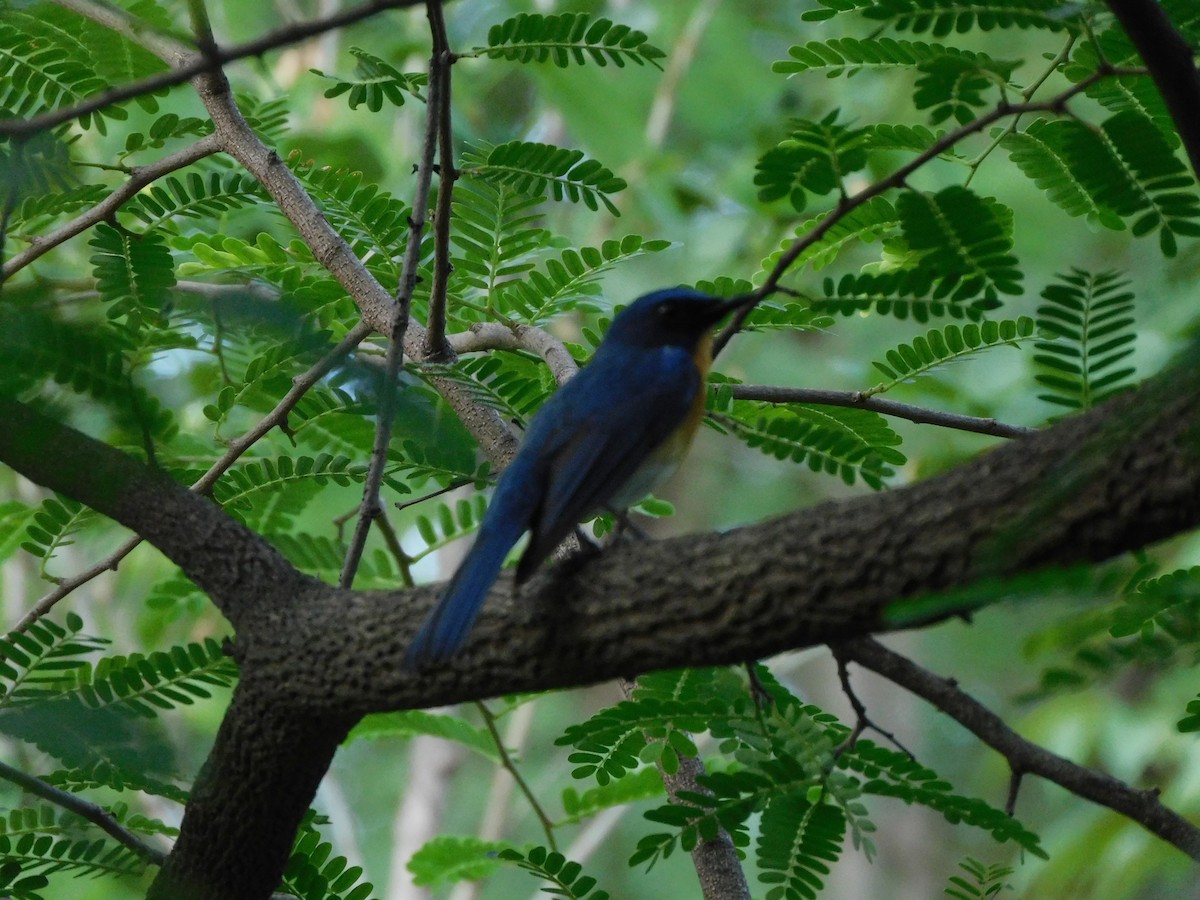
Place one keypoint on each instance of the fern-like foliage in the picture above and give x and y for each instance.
(46, 855)
(194, 197)
(797, 842)
(1125, 171)
(134, 274)
(375, 81)
(146, 684)
(18, 885)
(496, 231)
(1087, 326)
(891, 773)
(1153, 623)
(371, 220)
(536, 170)
(314, 873)
(37, 663)
(942, 18)
(870, 222)
(965, 239)
(448, 523)
(52, 58)
(951, 343)
(514, 385)
(569, 39)
(905, 293)
(951, 82)
(814, 159)
(268, 493)
(566, 876)
(53, 527)
(849, 443)
(167, 127)
(985, 881)
(570, 280)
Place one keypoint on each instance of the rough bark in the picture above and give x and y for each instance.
(313, 657)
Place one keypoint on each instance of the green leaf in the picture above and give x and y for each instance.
(1087, 327)
(447, 860)
(134, 273)
(814, 159)
(540, 169)
(568, 39)
(948, 344)
(566, 876)
(376, 81)
(413, 722)
(963, 238)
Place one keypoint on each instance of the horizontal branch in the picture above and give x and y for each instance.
(856, 400)
(1025, 757)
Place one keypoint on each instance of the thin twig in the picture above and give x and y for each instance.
(106, 208)
(443, 59)
(370, 507)
(862, 721)
(855, 400)
(897, 179)
(195, 65)
(1024, 756)
(97, 815)
(507, 762)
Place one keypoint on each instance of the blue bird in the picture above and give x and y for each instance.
(602, 442)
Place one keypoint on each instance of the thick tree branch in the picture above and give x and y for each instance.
(276, 418)
(268, 763)
(1091, 487)
(1025, 757)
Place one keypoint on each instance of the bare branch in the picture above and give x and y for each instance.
(97, 815)
(856, 400)
(1024, 756)
(439, 111)
(370, 508)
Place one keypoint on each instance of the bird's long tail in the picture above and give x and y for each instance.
(446, 628)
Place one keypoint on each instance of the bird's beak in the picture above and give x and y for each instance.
(734, 303)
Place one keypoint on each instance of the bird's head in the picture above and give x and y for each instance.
(675, 316)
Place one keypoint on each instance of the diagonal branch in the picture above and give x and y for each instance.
(106, 208)
(370, 508)
(97, 815)
(1024, 756)
(277, 417)
(192, 65)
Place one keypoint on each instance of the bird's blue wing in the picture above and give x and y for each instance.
(595, 451)
(508, 516)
